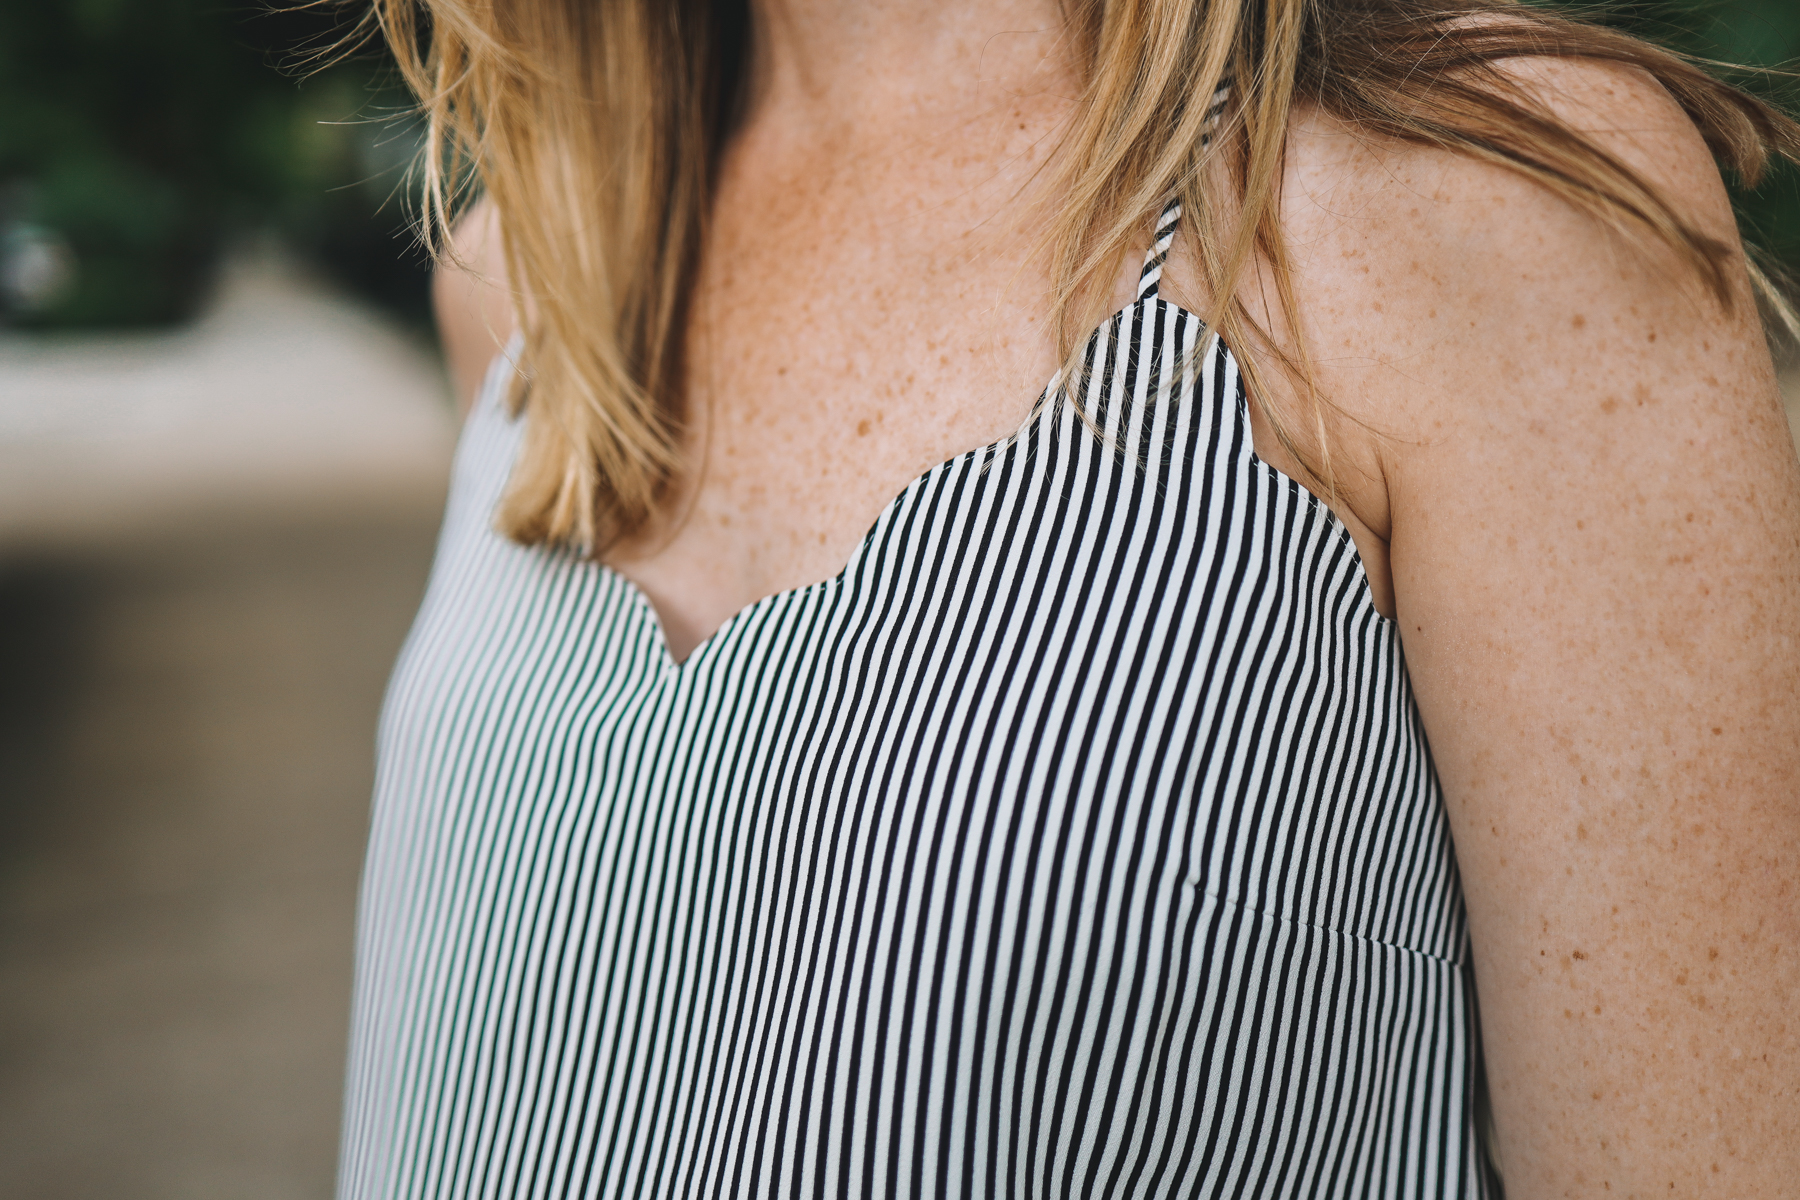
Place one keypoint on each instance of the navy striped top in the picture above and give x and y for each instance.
(1078, 839)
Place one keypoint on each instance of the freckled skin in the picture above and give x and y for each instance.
(865, 309)
(1564, 467)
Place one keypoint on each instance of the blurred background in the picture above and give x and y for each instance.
(224, 439)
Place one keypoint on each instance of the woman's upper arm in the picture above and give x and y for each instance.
(1594, 510)
(473, 302)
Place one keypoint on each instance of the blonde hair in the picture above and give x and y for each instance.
(595, 126)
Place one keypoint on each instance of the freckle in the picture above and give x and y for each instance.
(862, 428)
(1580, 322)
(1568, 1014)
(821, 539)
(1681, 979)
(1715, 1168)
(1596, 1095)
(781, 370)
(1712, 953)
(1653, 335)
(1581, 831)
(1580, 955)
(1610, 404)
(1717, 730)
(1596, 1013)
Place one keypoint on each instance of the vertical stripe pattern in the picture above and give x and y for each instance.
(1079, 839)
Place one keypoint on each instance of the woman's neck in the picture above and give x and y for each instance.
(854, 61)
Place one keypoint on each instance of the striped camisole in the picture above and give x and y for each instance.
(1078, 839)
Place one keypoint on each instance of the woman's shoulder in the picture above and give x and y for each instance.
(1442, 291)
(1477, 233)
(1621, 109)
(1593, 511)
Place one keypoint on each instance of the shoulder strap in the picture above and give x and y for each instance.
(1158, 254)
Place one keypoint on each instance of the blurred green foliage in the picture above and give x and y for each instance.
(139, 137)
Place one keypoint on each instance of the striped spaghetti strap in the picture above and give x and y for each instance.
(1170, 218)
(1151, 276)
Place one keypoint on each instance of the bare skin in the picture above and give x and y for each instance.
(1565, 467)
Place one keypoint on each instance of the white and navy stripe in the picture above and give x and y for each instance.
(1079, 839)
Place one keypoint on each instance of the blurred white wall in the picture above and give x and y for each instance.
(285, 393)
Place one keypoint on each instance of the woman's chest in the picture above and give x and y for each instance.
(843, 338)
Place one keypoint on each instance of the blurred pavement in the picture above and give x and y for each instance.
(212, 542)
